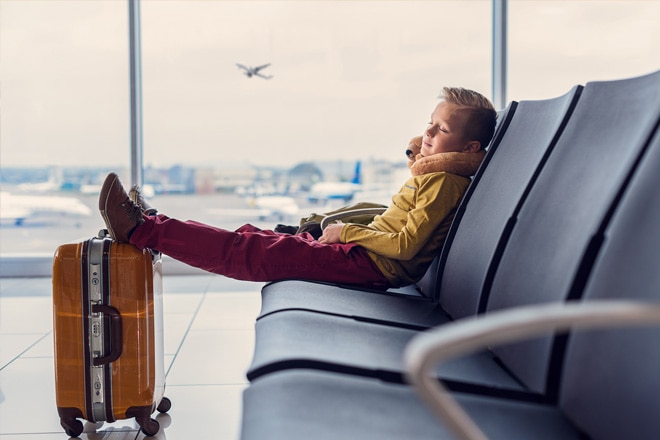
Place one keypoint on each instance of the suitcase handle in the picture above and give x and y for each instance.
(116, 346)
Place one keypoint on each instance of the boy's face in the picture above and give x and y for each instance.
(445, 132)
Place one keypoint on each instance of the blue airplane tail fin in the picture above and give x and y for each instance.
(357, 176)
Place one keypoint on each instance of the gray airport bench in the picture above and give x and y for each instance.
(563, 210)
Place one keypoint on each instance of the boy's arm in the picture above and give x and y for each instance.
(435, 198)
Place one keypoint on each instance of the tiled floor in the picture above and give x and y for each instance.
(209, 338)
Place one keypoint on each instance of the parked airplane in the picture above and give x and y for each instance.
(263, 207)
(250, 71)
(278, 206)
(18, 208)
(324, 191)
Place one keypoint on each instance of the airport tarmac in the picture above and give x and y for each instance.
(41, 235)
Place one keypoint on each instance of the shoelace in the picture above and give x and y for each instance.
(132, 210)
(136, 196)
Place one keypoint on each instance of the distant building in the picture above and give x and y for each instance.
(302, 176)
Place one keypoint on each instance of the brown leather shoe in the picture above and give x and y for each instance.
(119, 212)
(136, 196)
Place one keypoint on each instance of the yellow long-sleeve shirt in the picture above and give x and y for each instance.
(403, 241)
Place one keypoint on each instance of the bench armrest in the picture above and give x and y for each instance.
(455, 339)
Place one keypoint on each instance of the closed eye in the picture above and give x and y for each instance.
(437, 127)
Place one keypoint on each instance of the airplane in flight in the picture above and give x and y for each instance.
(250, 71)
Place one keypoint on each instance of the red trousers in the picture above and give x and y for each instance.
(252, 254)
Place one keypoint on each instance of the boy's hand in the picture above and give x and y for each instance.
(331, 233)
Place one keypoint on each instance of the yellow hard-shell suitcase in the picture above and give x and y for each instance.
(108, 332)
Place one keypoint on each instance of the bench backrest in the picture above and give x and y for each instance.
(499, 187)
(611, 385)
(548, 254)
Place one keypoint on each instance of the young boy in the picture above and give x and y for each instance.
(395, 249)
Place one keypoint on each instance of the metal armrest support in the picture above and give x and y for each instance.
(354, 212)
(428, 349)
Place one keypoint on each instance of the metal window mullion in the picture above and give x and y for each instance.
(135, 68)
(499, 73)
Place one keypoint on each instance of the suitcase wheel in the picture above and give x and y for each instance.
(73, 428)
(164, 405)
(150, 427)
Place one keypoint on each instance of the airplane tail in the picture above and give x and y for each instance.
(357, 176)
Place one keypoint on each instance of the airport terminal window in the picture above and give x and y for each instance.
(347, 84)
(554, 45)
(351, 83)
(344, 82)
(64, 118)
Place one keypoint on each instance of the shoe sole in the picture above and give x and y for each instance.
(103, 204)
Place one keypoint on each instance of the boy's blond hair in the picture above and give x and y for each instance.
(480, 115)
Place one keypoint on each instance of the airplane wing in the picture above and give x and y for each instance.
(261, 67)
(263, 76)
(242, 66)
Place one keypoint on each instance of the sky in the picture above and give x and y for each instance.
(351, 79)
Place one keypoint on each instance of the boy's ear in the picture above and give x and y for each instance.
(472, 147)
